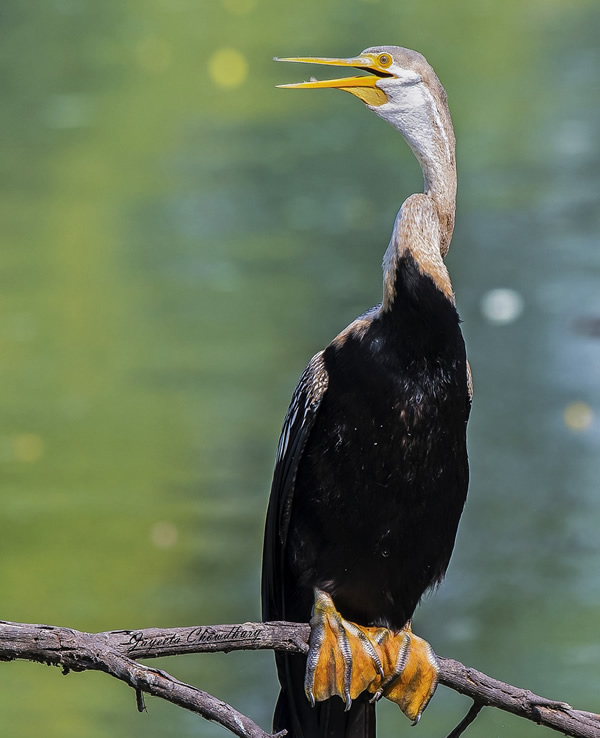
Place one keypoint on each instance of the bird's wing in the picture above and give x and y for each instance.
(296, 429)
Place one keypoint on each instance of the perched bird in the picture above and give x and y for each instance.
(371, 472)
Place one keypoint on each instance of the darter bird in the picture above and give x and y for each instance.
(371, 473)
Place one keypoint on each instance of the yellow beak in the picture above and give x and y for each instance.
(363, 87)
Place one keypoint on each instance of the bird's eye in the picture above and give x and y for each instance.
(384, 60)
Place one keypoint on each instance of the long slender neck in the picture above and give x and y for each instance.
(420, 113)
(424, 225)
(433, 144)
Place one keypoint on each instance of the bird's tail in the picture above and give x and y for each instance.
(327, 719)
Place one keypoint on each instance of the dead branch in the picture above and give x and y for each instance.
(475, 709)
(117, 653)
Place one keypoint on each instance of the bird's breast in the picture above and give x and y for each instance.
(383, 477)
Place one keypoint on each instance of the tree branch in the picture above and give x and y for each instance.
(476, 708)
(117, 653)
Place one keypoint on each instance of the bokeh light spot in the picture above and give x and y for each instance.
(164, 534)
(502, 306)
(228, 67)
(578, 416)
(28, 447)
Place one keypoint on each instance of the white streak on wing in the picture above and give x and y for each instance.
(285, 433)
(314, 384)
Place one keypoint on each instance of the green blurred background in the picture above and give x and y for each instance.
(178, 237)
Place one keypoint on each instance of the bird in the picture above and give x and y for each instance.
(371, 472)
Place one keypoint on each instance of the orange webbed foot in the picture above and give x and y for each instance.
(411, 671)
(342, 658)
(346, 659)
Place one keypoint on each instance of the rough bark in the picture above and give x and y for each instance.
(117, 653)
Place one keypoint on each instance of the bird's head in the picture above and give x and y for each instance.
(400, 87)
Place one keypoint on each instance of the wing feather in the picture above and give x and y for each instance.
(297, 425)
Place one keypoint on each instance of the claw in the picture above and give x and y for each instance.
(342, 659)
(412, 674)
(346, 659)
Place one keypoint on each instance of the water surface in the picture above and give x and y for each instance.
(178, 239)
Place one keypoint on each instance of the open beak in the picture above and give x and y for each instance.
(363, 87)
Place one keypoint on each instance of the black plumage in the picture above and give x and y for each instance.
(370, 480)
